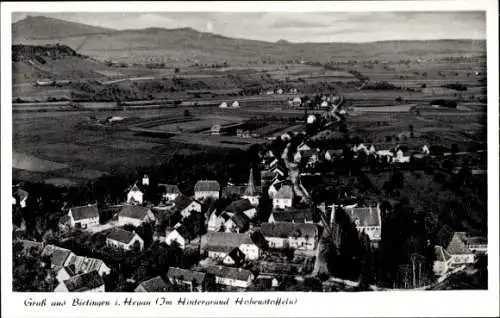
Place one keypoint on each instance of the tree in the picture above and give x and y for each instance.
(177, 70)
(31, 272)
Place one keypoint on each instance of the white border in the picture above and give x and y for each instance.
(449, 303)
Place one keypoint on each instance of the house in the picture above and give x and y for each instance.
(324, 104)
(425, 150)
(442, 262)
(87, 282)
(284, 198)
(135, 195)
(290, 235)
(180, 234)
(82, 264)
(124, 240)
(455, 245)
(303, 147)
(266, 282)
(400, 157)
(241, 207)
(206, 189)
(230, 276)
(296, 101)
(332, 154)
(297, 216)
(20, 197)
(367, 220)
(279, 91)
(223, 105)
(83, 216)
(238, 223)
(135, 215)
(251, 193)
(385, 155)
(217, 220)
(215, 130)
(235, 104)
(219, 244)
(193, 280)
(233, 190)
(169, 191)
(59, 257)
(185, 205)
(153, 285)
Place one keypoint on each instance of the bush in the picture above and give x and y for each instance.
(455, 86)
(444, 103)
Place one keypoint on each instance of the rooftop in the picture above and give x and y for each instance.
(134, 212)
(239, 206)
(228, 272)
(84, 212)
(287, 229)
(84, 282)
(169, 188)
(121, 235)
(285, 192)
(58, 255)
(207, 185)
(182, 201)
(153, 285)
(186, 275)
(365, 216)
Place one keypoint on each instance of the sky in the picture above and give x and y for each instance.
(297, 27)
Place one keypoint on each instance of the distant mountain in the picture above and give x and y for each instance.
(188, 46)
(39, 27)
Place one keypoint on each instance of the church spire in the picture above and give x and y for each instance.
(250, 190)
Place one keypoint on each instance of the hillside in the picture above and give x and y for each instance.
(188, 46)
(39, 27)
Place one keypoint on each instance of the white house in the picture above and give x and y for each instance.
(135, 195)
(296, 101)
(185, 205)
(86, 282)
(83, 216)
(169, 191)
(324, 104)
(20, 196)
(284, 198)
(179, 234)
(290, 235)
(230, 276)
(235, 104)
(279, 91)
(223, 105)
(135, 215)
(206, 188)
(425, 150)
(124, 240)
(400, 157)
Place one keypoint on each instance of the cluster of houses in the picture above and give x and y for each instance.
(394, 155)
(73, 273)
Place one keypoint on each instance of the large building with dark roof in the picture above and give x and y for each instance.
(83, 216)
(230, 276)
(206, 189)
(192, 280)
(135, 215)
(367, 220)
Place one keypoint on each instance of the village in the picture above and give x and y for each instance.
(272, 232)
